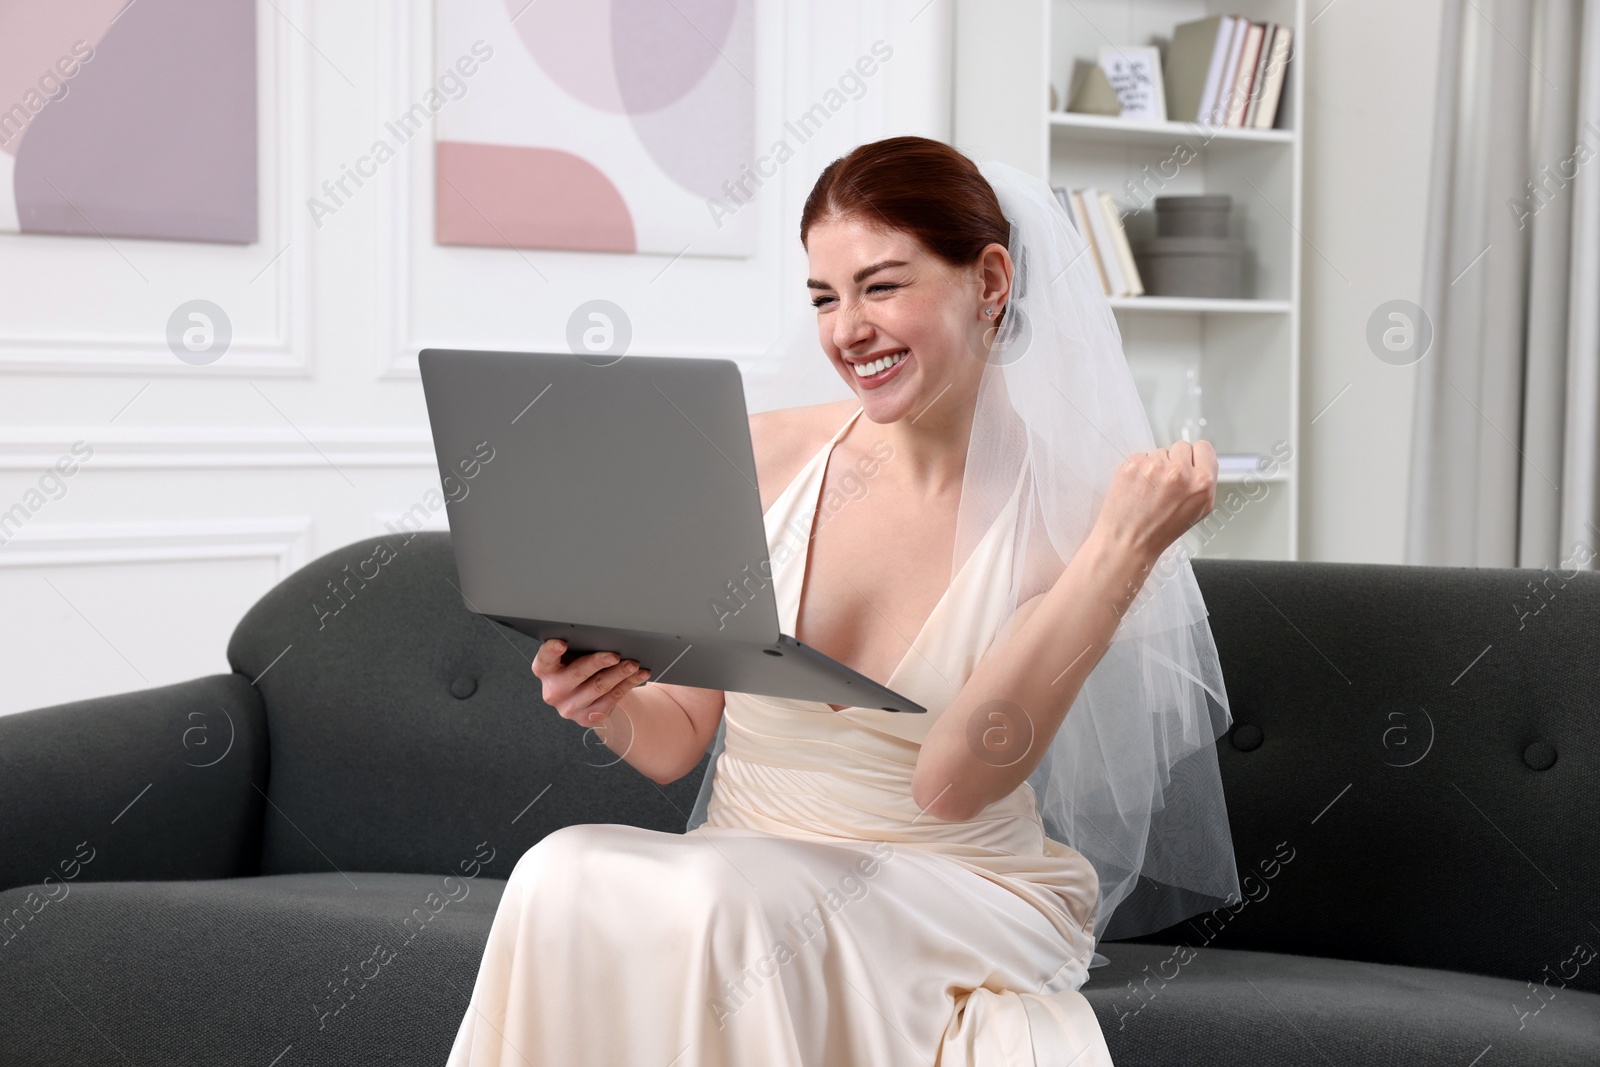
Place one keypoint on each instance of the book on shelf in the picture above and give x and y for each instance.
(1226, 70)
(1094, 215)
(1238, 462)
(1081, 221)
(1236, 102)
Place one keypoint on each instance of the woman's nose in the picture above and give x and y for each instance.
(850, 327)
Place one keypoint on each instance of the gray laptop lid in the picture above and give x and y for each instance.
(616, 496)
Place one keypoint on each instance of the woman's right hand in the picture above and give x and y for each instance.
(1156, 496)
(587, 689)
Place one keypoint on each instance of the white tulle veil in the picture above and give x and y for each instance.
(1130, 780)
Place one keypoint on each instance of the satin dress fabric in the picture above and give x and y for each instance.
(817, 918)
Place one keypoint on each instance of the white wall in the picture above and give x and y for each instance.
(207, 485)
(1369, 132)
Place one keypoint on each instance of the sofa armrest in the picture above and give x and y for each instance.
(163, 783)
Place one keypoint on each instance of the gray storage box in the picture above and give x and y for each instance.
(1193, 216)
(1191, 266)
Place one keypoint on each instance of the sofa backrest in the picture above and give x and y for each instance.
(407, 733)
(1412, 768)
(1409, 776)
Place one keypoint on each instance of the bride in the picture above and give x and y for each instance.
(864, 887)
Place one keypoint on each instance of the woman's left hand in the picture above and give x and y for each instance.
(1155, 496)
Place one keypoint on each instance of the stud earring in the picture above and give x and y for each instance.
(988, 312)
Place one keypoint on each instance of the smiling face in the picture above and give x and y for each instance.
(886, 304)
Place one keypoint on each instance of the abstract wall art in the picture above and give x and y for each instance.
(122, 119)
(604, 126)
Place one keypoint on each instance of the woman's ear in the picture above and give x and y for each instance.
(994, 279)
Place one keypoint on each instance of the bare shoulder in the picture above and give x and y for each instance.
(785, 439)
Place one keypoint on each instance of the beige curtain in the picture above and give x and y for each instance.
(1505, 461)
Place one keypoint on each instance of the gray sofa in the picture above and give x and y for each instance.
(298, 862)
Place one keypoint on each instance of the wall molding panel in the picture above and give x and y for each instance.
(218, 447)
(283, 540)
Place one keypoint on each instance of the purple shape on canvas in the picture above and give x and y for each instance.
(42, 47)
(664, 50)
(157, 138)
(704, 138)
(628, 56)
(682, 72)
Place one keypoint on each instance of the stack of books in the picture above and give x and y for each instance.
(1094, 213)
(1226, 71)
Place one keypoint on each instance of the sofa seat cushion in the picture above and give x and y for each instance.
(356, 968)
(1227, 1007)
(378, 968)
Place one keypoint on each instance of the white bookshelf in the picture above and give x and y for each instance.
(1246, 352)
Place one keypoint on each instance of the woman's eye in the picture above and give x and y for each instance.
(871, 288)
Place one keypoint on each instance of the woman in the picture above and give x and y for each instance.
(866, 887)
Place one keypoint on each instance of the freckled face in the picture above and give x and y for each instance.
(888, 306)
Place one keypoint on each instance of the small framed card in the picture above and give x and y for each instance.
(1135, 76)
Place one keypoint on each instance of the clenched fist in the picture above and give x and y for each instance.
(1155, 496)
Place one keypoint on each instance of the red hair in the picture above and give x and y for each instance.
(916, 185)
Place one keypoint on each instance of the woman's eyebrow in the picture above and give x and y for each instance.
(812, 283)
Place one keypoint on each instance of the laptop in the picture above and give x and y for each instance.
(614, 506)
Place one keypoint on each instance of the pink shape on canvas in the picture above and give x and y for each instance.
(509, 196)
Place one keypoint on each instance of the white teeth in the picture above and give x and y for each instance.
(867, 370)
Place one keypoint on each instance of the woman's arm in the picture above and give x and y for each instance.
(663, 730)
(999, 726)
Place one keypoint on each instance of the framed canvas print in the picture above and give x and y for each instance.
(604, 127)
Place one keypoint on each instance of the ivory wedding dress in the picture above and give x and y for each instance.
(817, 918)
